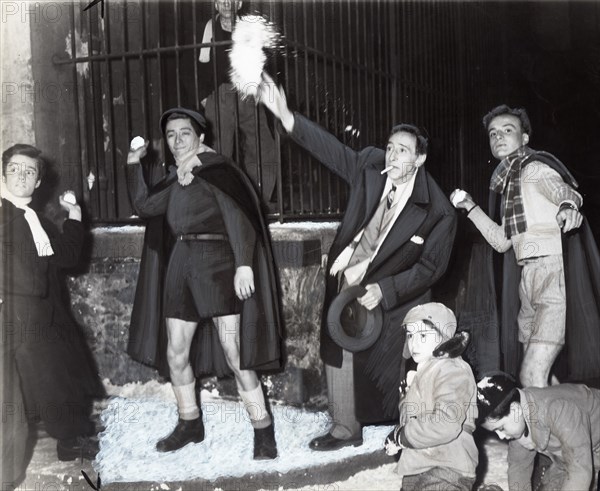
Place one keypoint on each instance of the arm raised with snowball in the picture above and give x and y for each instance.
(321, 144)
(145, 202)
(492, 232)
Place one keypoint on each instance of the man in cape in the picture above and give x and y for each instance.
(220, 267)
(551, 265)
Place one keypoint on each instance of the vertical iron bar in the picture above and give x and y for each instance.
(318, 168)
(307, 92)
(94, 119)
(299, 165)
(161, 108)
(195, 55)
(176, 29)
(286, 68)
(332, 125)
(142, 60)
(360, 48)
(125, 92)
(79, 104)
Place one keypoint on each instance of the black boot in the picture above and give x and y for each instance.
(80, 447)
(265, 447)
(186, 431)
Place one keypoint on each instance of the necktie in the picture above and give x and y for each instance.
(359, 262)
(390, 197)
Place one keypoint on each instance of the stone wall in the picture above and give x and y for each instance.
(16, 74)
(102, 297)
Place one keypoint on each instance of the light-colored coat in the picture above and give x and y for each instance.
(564, 424)
(437, 417)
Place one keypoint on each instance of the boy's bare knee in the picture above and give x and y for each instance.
(177, 359)
(534, 374)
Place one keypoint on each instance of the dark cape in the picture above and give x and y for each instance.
(261, 325)
(579, 359)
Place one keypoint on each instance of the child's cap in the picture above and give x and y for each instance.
(494, 392)
(438, 315)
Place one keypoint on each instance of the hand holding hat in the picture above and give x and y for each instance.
(353, 326)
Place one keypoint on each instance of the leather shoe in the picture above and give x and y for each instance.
(265, 447)
(330, 442)
(80, 447)
(186, 431)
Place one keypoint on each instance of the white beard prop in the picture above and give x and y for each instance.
(251, 36)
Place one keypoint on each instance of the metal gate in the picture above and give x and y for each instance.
(355, 67)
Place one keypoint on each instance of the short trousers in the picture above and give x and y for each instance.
(542, 316)
(199, 281)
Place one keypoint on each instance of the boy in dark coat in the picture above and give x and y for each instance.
(47, 371)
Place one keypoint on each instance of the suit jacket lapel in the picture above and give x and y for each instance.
(407, 223)
(405, 226)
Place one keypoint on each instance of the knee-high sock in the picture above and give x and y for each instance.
(186, 401)
(254, 402)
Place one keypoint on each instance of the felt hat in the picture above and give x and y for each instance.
(493, 393)
(438, 315)
(352, 326)
(196, 116)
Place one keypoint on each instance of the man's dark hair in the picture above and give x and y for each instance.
(27, 150)
(197, 128)
(503, 109)
(495, 394)
(422, 142)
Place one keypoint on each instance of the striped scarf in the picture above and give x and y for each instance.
(506, 180)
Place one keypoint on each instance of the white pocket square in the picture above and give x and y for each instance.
(417, 240)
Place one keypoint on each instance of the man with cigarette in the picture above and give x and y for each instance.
(395, 240)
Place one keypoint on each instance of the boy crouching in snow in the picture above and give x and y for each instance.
(561, 422)
(437, 415)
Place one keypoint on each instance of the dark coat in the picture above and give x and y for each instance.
(579, 359)
(404, 270)
(261, 324)
(45, 364)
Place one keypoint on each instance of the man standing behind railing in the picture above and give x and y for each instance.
(221, 113)
(395, 239)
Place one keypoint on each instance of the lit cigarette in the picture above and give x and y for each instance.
(387, 169)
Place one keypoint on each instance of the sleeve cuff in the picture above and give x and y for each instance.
(472, 208)
(73, 224)
(403, 441)
(568, 204)
(388, 291)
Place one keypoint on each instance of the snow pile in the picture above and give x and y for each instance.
(134, 426)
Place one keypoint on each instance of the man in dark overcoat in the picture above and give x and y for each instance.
(395, 240)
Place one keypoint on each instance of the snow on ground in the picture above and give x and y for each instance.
(140, 414)
(133, 426)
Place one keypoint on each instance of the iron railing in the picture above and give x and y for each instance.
(355, 67)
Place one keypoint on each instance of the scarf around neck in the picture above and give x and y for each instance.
(40, 237)
(506, 180)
